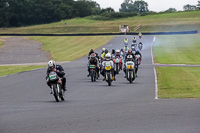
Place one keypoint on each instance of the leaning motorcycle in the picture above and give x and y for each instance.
(56, 84)
(130, 71)
(108, 73)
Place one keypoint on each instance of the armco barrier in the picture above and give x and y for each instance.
(105, 34)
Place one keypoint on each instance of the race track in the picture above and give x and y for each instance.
(27, 107)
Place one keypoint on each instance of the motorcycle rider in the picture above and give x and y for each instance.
(93, 61)
(92, 51)
(60, 72)
(134, 40)
(103, 55)
(138, 53)
(140, 44)
(108, 59)
(126, 41)
(113, 52)
(130, 53)
(140, 34)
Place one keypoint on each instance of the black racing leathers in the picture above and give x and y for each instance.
(60, 72)
(93, 61)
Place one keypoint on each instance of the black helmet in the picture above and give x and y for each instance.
(106, 51)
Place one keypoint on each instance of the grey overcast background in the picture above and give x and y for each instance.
(154, 5)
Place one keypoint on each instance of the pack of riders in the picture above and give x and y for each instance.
(94, 59)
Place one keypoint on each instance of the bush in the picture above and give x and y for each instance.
(112, 16)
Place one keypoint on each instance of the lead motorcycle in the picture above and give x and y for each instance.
(56, 84)
(130, 71)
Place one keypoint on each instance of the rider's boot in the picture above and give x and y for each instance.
(51, 91)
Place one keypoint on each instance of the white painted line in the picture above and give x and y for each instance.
(154, 69)
(156, 84)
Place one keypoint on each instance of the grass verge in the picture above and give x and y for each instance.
(178, 82)
(71, 48)
(180, 21)
(6, 70)
(177, 49)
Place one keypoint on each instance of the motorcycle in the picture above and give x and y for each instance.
(108, 73)
(140, 36)
(56, 84)
(140, 46)
(138, 58)
(130, 71)
(134, 45)
(93, 73)
(118, 64)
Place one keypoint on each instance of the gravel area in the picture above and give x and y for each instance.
(19, 50)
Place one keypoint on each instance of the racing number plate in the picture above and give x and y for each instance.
(92, 66)
(53, 76)
(130, 67)
(107, 67)
(117, 60)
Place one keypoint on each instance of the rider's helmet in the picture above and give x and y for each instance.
(103, 49)
(133, 52)
(106, 51)
(129, 57)
(134, 38)
(129, 51)
(108, 56)
(93, 55)
(133, 48)
(126, 41)
(92, 51)
(51, 63)
(117, 52)
(113, 51)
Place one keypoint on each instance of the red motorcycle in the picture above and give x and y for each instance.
(118, 63)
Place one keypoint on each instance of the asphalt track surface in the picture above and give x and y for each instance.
(27, 107)
(19, 50)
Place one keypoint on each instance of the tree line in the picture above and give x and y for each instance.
(29, 12)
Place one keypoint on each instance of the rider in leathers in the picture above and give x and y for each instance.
(108, 59)
(60, 72)
(93, 61)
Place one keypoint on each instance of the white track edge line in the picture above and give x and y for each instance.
(154, 69)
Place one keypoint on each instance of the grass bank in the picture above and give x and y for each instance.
(177, 49)
(71, 48)
(180, 21)
(6, 70)
(178, 82)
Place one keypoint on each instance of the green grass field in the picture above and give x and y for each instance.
(71, 48)
(177, 49)
(1, 43)
(180, 21)
(178, 82)
(6, 70)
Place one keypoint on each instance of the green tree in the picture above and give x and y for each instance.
(138, 6)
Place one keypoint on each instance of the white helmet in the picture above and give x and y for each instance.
(51, 63)
(108, 56)
(129, 57)
(117, 51)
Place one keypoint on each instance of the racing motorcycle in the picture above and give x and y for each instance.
(118, 64)
(130, 71)
(108, 73)
(56, 86)
(140, 46)
(93, 73)
(138, 58)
